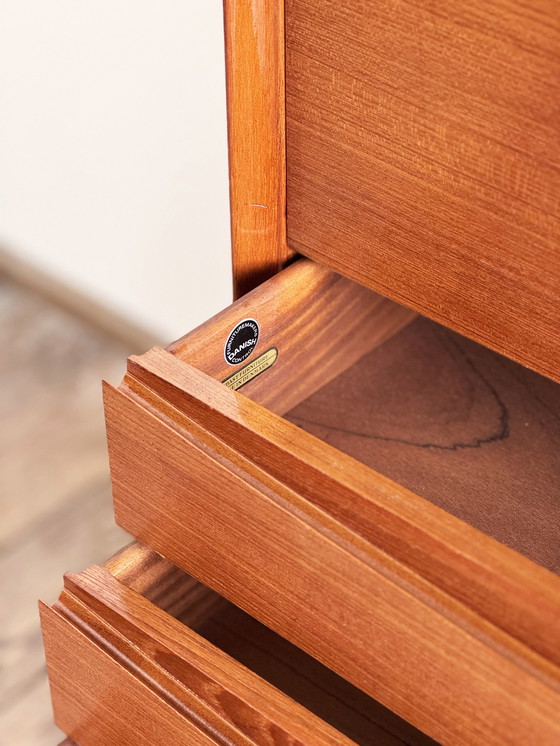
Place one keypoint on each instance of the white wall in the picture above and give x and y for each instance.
(113, 160)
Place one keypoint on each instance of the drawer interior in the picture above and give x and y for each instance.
(471, 431)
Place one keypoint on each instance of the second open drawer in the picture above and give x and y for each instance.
(358, 496)
(140, 653)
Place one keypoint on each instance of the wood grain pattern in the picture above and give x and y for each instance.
(466, 428)
(363, 567)
(84, 680)
(423, 159)
(320, 323)
(256, 647)
(196, 692)
(254, 33)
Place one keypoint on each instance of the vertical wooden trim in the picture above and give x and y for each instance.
(254, 36)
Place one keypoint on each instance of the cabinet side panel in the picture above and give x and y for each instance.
(254, 34)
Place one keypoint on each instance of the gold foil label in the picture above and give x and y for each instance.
(252, 369)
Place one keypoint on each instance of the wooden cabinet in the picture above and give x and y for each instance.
(360, 481)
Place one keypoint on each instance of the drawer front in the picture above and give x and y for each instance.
(422, 159)
(380, 585)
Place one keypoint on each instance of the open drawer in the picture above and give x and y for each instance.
(141, 653)
(369, 524)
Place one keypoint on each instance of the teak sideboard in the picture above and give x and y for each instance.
(346, 485)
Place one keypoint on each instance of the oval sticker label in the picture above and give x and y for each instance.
(241, 341)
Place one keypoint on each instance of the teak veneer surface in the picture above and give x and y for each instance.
(122, 671)
(193, 678)
(254, 41)
(162, 583)
(423, 159)
(464, 427)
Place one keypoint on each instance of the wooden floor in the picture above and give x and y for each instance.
(54, 487)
